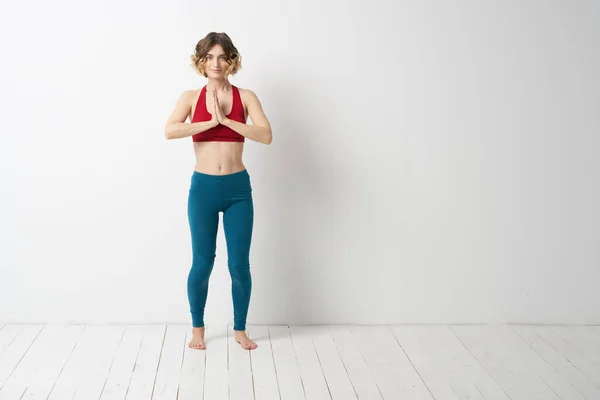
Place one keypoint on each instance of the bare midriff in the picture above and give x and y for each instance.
(219, 158)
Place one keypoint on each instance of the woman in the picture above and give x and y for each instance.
(220, 181)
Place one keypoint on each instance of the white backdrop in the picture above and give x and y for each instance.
(432, 161)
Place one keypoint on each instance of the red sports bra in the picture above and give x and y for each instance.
(219, 133)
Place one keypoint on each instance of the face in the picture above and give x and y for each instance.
(216, 62)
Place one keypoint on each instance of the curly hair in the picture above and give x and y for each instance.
(234, 59)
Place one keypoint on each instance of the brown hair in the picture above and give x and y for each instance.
(234, 59)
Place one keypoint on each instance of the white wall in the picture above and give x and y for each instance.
(432, 161)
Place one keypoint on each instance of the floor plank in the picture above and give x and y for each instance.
(446, 366)
(240, 381)
(36, 373)
(575, 351)
(191, 386)
(390, 367)
(16, 341)
(362, 381)
(262, 362)
(309, 365)
(511, 362)
(82, 378)
(168, 376)
(441, 362)
(118, 378)
(286, 364)
(145, 368)
(216, 380)
(336, 375)
(558, 362)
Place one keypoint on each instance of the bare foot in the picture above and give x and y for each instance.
(242, 338)
(197, 341)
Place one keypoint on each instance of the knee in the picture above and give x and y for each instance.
(239, 269)
(201, 270)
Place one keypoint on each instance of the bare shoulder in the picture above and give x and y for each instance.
(184, 106)
(190, 94)
(254, 108)
(247, 94)
(249, 100)
(186, 97)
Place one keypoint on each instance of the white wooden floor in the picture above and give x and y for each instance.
(301, 362)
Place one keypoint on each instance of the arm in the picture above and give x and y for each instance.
(176, 127)
(260, 131)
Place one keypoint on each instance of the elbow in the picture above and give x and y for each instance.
(269, 138)
(167, 132)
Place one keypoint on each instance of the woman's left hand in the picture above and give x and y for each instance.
(218, 110)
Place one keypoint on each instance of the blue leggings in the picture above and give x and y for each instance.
(232, 195)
